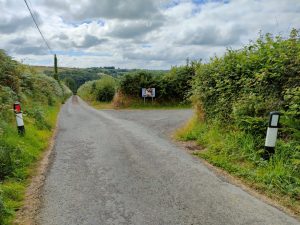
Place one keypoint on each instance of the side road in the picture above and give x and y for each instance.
(119, 167)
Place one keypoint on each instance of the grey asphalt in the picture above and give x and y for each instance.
(120, 167)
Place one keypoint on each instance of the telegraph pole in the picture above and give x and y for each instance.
(55, 68)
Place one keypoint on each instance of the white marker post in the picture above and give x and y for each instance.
(19, 118)
(271, 134)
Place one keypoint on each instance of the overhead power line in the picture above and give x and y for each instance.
(37, 26)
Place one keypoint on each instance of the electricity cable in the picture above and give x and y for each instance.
(37, 26)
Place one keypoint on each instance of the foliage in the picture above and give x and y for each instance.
(9, 72)
(249, 83)
(102, 90)
(175, 85)
(40, 97)
(239, 153)
(8, 154)
(131, 83)
(4, 212)
(75, 77)
(38, 114)
(170, 87)
(71, 84)
(233, 95)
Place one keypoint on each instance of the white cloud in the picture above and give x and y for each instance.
(138, 34)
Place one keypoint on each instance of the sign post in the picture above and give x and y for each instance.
(148, 93)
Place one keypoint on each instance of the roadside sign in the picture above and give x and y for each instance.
(148, 92)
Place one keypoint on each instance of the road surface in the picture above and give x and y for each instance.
(120, 167)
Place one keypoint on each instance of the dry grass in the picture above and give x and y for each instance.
(121, 101)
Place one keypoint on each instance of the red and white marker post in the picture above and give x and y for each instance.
(19, 118)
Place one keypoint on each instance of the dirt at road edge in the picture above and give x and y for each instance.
(27, 214)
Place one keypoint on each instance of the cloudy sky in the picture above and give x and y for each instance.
(153, 34)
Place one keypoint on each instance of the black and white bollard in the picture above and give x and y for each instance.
(19, 118)
(271, 135)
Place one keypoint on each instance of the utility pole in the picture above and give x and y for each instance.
(55, 68)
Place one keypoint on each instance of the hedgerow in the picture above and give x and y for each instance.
(40, 97)
(172, 86)
(102, 90)
(244, 85)
(233, 95)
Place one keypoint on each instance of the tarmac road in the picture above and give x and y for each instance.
(120, 167)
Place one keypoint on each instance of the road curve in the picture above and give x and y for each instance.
(119, 167)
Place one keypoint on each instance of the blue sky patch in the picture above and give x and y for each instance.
(171, 4)
(146, 46)
(100, 22)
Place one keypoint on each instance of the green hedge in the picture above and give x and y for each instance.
(102, 90)
(40, 97)
(244, 85)
(233, 95)
(172, 86)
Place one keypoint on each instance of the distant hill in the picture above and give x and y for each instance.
(75, 77)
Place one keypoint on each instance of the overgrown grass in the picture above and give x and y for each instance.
(122, 101)
(149, 106)
(100, 105)
(239, 154)
(138, 105)
(233, 95)
(40, 97)
(22, 155)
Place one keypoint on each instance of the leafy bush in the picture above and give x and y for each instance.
(262, 77)
(105, 89)
(234, 95)
(9, 72)
(172, 86)
(102, 90)
(176, 84)
(71, 84)
(22, 83)
(106, 94)
(131, 83)
(38, 114)
(7, 159)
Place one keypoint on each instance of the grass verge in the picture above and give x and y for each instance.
(23, 153)
(149, 106)
(100, 105)
(137, 105)
(237, 153)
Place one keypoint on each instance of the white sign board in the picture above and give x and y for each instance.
(148, 92)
